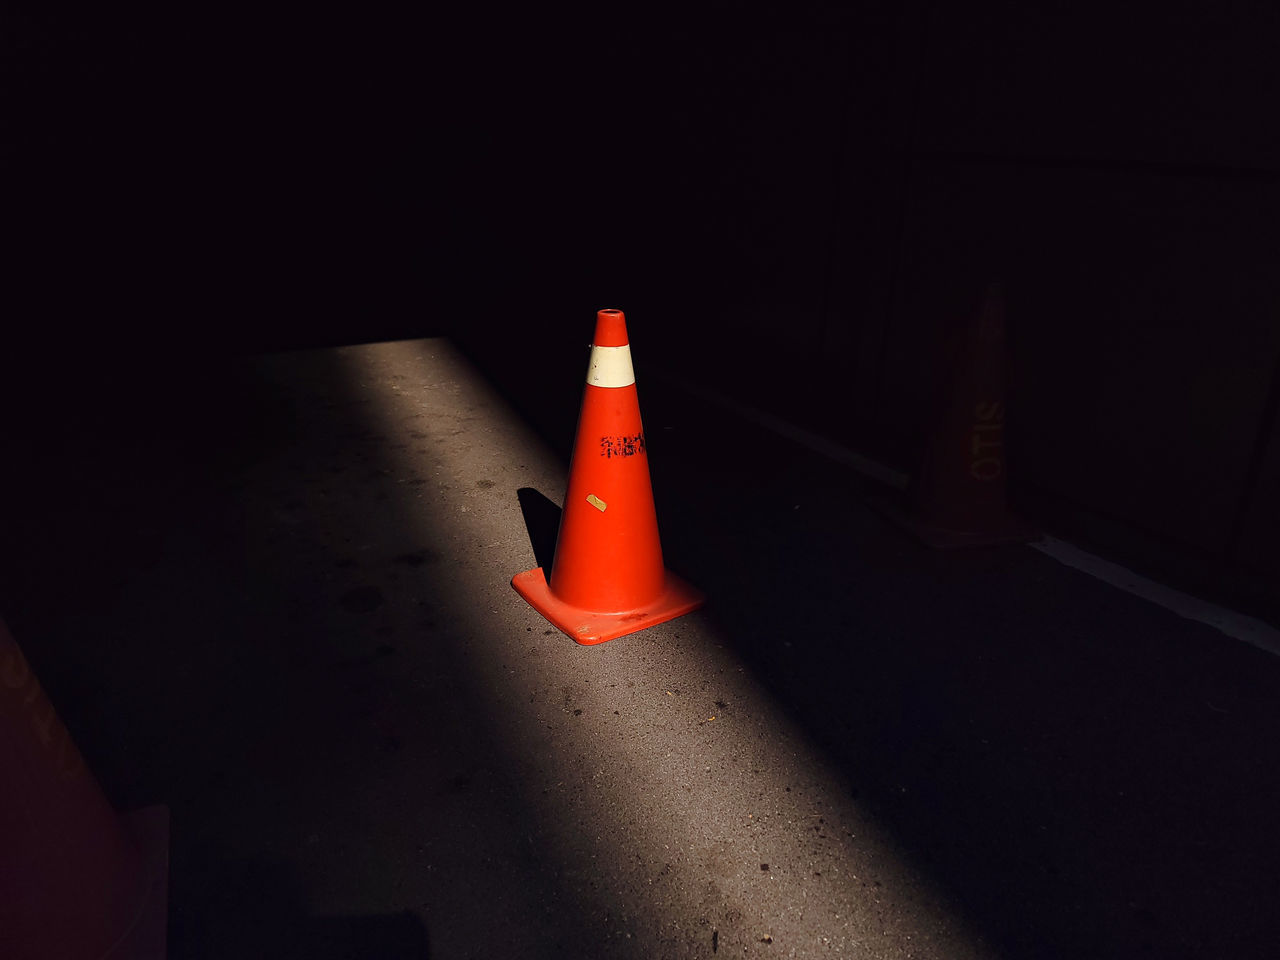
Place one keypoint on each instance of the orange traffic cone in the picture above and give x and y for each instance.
(959, 494)
(76, 882)
(607, 577)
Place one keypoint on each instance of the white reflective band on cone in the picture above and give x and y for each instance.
(610, 367)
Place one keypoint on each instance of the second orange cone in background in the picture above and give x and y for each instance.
(960, 493)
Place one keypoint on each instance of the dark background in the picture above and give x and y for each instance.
(817, 193)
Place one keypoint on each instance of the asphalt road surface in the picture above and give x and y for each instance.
(274, 595)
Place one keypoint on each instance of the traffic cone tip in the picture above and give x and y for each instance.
(611, 329)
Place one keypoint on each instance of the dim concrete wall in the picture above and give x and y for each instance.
(1116, 172)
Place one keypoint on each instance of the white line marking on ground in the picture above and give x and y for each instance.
(1237, 625)
(1233, 624)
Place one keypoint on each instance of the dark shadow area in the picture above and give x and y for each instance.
(209, 186)
(253, 909)
(1087, 774)
(1084, 773)
(542, 520)
(368, 938)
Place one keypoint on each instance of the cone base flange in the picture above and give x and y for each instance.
(590, 627)
(147, 939)
(1004, 530)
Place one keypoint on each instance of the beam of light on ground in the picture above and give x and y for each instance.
(658, 773)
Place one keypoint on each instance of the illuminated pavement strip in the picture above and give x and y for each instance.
(672, 828)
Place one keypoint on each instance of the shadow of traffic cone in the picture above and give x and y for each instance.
(76, 881)
(959, 495)
(607, 577)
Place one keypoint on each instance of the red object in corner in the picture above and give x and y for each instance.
(76, 881)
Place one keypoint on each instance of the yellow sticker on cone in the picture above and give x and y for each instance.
(596, 502)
